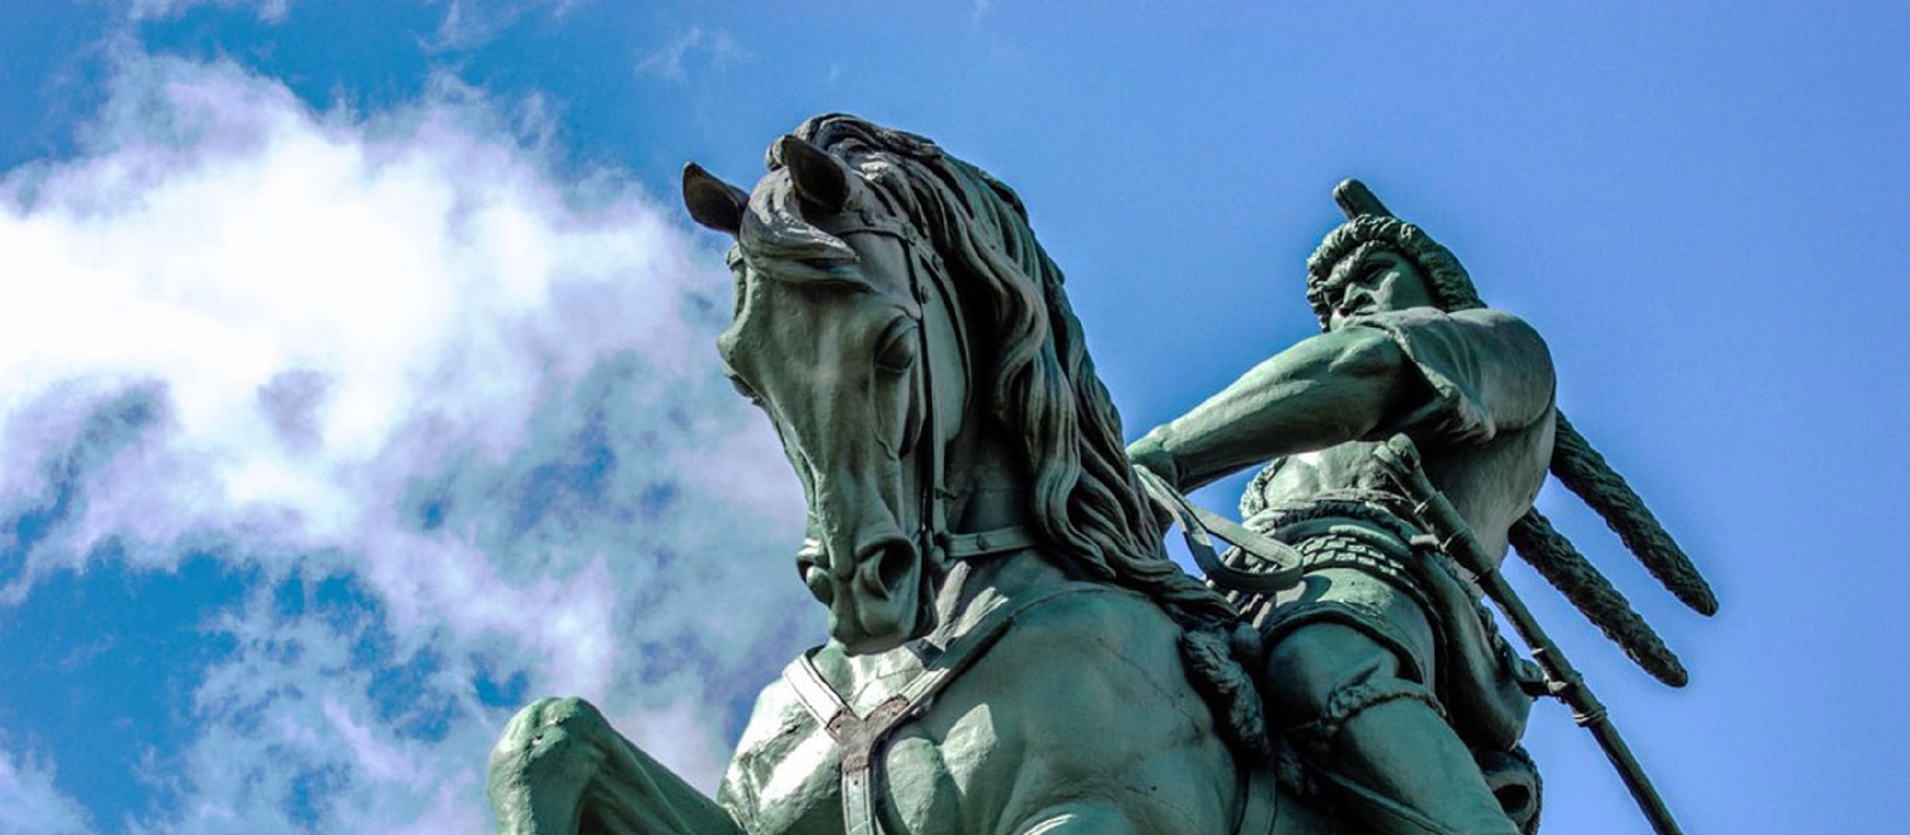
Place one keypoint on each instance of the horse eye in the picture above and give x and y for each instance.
(898, 349)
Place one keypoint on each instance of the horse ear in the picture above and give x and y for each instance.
(712, 202)
(819, 177)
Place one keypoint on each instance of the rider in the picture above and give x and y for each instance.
(1391, 685)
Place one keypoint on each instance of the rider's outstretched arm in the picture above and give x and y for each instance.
(1445, 378)
(1326, 390)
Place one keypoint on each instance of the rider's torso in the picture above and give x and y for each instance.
(1491, 483)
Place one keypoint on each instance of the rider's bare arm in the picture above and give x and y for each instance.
(1464, 375)
(1323, 391)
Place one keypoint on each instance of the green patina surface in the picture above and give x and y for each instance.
(1010, 649)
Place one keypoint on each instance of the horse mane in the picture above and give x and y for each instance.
(1042, 387)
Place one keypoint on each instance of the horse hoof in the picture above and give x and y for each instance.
(544, 726)
(549, 752)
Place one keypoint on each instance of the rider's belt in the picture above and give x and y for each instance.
(1376, 509)
(1358, 534)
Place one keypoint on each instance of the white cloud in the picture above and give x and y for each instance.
(30, 805)
(398, 351)
(470, 23)
(270, 11)
(716, 48)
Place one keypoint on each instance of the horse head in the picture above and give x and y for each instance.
(844, 335)
(878, 281)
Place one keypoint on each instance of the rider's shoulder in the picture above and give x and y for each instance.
(1493, 332)
(1494, 318)
(1486, 317)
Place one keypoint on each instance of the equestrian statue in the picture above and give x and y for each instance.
(1010, 648)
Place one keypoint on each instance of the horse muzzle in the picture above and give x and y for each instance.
(879, 598)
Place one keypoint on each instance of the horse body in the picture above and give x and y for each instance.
(911, 344)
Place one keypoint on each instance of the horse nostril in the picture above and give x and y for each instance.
(810, 559)
(817, 580)
(898, 563)
(894, 564)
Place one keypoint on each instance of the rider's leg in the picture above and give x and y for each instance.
(560, 768)
(1375, 734)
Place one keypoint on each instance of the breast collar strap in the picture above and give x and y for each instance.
(861, 736)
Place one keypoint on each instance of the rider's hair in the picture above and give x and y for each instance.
(1338, 258)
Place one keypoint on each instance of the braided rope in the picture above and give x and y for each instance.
(1554, 557)
(1583, 471)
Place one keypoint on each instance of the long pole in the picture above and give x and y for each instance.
(1562, 681)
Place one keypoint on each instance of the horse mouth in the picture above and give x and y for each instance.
(882, 604)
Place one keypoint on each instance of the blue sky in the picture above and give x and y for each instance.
(356, 378)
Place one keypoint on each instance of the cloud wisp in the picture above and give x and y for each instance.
(469, 24)
(449, 410)
(30, 803)
(269, 11)
(714, 48)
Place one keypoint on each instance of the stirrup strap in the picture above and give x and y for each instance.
(1260, 804)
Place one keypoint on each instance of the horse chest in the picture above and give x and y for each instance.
(1046, 711)
(930, 772)
(788, 776)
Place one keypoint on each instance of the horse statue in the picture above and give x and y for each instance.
(1010, 650)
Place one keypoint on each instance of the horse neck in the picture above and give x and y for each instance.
(991, 489)
(1014, 575)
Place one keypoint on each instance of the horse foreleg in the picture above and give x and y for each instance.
(560, 769)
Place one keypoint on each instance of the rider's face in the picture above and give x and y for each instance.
(1381, 282)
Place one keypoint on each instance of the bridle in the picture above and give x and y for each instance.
(952, 646)
(936, 544)
(1279, 565)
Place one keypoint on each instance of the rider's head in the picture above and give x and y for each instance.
(1375, 262)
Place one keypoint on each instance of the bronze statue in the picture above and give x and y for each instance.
(1010, 649)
